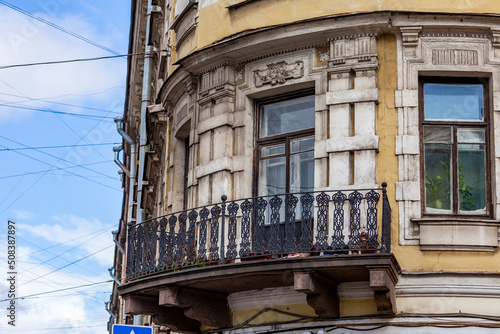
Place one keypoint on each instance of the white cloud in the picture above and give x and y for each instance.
(80, 232)
(68, 311)
(23, 214)
(24, 40)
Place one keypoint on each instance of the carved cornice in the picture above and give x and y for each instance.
(284, 51)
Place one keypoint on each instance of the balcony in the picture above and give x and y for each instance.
(182, 267)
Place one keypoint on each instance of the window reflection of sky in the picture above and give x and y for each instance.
(453, 102)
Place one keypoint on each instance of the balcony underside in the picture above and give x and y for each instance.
(183, 300)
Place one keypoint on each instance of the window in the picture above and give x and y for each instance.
(285, 145)
(454, 128)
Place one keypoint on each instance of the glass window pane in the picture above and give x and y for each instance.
(472, 179)
(456, 102)
(438, 195)
(287, 116)
(302, 172)
(272, 176)
(271, 150)
(471, 136)
(302, 144)
(438, 134)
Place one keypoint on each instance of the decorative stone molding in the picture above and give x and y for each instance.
(215, 82)
(454, 57)
(495, 41)
(439, 51)
(349, 49)
(460, 235)
(410, 38)
(279, 73)
(457, 285)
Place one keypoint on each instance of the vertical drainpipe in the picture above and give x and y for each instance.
(145, 101)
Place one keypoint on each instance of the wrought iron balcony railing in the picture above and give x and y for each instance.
(323, 223)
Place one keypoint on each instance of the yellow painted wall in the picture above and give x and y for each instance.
(357, 307)
(240, 316)
(348, 308)
(217, 22)
(411, 258)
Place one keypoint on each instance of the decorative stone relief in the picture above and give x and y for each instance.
(351, 49)
(324, 55)
(279, 73)
(216, 79)
(454, 57)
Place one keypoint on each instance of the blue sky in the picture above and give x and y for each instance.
(65, 201)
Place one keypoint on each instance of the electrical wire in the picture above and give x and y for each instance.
(50, 170)
(55, 102)
(54, 291)
(57, 146)
(88, 116)
(76, 261)
(53, 156)
(70, 60)
(53, 25)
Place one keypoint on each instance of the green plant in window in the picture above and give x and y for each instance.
(465, 192)
(438, 191)
(437, 187)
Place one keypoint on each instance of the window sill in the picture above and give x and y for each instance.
(458, 234)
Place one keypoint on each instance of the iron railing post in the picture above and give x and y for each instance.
(223, 228)
(386, 221)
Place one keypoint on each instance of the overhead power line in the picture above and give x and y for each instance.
(53, 169)
(54, 291)
(55, 102)
(49, 147)
(69, 60)
(53, 25)
(57, 112)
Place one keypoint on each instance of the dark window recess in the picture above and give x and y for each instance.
(186, 172)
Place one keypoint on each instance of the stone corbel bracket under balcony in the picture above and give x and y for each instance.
(187, 299)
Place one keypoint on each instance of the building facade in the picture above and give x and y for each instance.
(303, 166)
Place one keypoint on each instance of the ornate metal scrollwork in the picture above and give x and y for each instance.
(214, 234)
(355, 199)
(171, 252)
(151, 243)
(322, 227)
(259, 243)
(246, 208)
(338, 220)
(162, 244)
(202, 248)
(140, 267)
(290, 245)
(274, 237)
(231, 247)
(372, 198)
(181, 240)
(306, 238)
(191, 238)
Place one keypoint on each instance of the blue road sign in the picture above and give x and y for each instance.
(131, 329)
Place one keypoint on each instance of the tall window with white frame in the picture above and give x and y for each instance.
(285, 144)
(454, 143)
